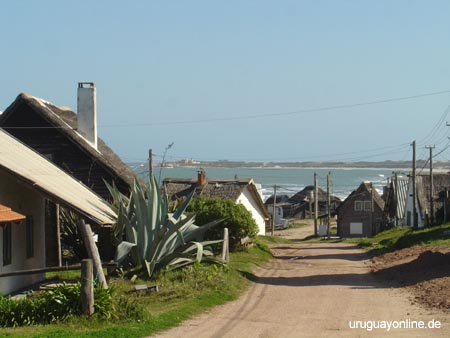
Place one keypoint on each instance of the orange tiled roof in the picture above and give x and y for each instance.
(7, 215)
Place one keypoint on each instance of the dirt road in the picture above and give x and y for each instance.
(316, 290)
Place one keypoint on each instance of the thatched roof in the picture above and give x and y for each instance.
(441, 181)
(279, 199)
(303, 195)
(66, 121)
(365, 188)
(179, 188)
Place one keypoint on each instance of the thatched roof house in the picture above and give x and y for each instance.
(305, 196)
(54, 132)
(441, 186)
(241, 191)
(361, 213)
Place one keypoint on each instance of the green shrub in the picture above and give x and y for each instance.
(49, 306)
(236, 217)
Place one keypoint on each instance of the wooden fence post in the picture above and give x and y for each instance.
(87, 287)
(225, 246)
(91, 248)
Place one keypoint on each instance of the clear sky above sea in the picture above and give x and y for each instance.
(241, 80)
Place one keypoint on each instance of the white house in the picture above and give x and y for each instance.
(242, 191)
(27, 181)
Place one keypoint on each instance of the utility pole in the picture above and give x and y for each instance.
(328, 205)
(431, 185)
(316, 204)
(395, 196)
(372, 223)
(415, 221)
(274, 207)
(150, 163)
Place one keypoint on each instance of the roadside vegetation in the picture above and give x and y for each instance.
(182, 294)
(403, 237)
(162, 250)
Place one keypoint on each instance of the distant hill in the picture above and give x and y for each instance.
(362, 164)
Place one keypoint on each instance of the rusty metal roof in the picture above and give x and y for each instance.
(7, 215)
(36, 171)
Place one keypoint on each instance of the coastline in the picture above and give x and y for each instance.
(440, 170)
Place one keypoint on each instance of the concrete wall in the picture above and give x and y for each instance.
(409, 209)
(247, 200)
(29, 203)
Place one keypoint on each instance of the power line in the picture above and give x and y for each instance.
(297, 112)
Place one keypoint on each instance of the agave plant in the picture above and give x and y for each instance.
(156, 238)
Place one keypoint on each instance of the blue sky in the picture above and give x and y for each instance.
(161, 65)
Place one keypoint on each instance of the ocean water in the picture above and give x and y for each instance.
(290, 181)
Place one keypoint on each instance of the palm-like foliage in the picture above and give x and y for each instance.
(156, 238)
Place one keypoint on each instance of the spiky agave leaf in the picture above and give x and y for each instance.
(155, 237)
(122, 251)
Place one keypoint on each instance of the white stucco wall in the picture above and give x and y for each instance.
(247, 200)
(29, 203)
(409, 208)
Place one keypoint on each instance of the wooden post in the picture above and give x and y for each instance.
(316, 203)
(58, 235)
(91, 248)
(87, 287)
(431, 186)
(225, 246)
(415, 220)
(372, 223)
(395, 196)
(274, 208)
(445, 204)
(328, 205)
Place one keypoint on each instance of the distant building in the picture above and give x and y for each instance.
(361, 213)
(395, 198)
(241, 191)
(440, 214)
(304, 200)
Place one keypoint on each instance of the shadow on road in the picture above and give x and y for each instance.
(364, 280)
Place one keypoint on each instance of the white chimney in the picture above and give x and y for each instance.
(87, 112)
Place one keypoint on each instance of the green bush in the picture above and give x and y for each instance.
(57, 304)
(236, 217)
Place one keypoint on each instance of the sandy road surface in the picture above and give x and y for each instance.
(313, 290)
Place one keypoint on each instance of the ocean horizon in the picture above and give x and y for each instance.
(289, 181)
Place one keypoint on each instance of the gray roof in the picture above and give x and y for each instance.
(37, 172)
(303, 195)
(441, 182)
(178, 188)
(397, 196)
(365, 187)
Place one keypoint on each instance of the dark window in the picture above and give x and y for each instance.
(367, 206)
(7, 244)
(358, 205)
(29, 236)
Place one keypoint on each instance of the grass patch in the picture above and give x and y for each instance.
(403, 237)
(297, 223)
(267, 240)
(183, 294)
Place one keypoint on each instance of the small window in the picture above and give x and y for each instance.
(358, 205)
(367, 206)
(29, 236)
(7, 244)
